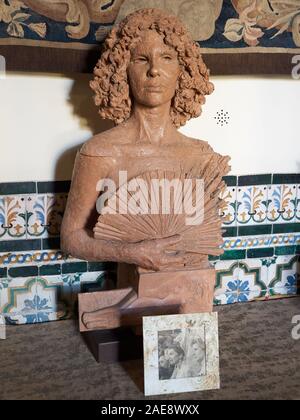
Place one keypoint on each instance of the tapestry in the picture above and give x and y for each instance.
(236, 36)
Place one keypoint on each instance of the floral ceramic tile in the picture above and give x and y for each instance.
(252, 205)
(253, 275)
(282, 203)
(226, 272)
(19, 296)
(45, 213)
(48, 292)
(12, 217)
(50, 302)
(228, 206)
(283, 275)
(240, 293)
(71, 286)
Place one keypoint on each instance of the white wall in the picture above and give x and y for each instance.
(44, 118)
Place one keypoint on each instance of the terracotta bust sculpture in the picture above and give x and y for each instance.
(150, 80)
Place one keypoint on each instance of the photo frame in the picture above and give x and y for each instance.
(181, 353)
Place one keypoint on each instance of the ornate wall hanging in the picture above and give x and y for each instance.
(237, 36)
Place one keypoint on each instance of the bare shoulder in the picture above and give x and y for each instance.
(197, 143)
(104, 144)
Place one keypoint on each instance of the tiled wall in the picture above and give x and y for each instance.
(38, 283)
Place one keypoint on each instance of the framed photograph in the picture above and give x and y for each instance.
(181, 353)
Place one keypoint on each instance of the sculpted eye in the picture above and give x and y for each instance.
(167, 57)
(141, 59)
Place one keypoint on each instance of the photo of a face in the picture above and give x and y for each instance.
(181, 354)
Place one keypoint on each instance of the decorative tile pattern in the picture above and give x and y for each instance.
(41, 299)
(247, 242)
(38, 283)
(17, 296)
(254, 272)
(12, 217)
(288, 239)
(262, 241)
(282, 203)
(283, 275)
(240, 294)
(252, 204)
(227, 273)
(228, 206)
(27, 258)
(45, 213)
(240, 281)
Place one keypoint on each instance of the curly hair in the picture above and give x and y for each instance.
(111, 87)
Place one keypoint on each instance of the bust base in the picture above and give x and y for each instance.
(117, 345)
(147, 294)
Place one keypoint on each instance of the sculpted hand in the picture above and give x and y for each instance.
(155, 254)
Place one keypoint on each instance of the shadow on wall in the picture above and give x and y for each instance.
(83, 108)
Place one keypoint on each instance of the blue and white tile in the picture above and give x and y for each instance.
(71, 286)
(51, 305)
(45, 213)
(282, 203)
(253, 274)
(252, 205)
(239, 293)
(48, 292)
(283, 275)
(226, 272)
(19, 297)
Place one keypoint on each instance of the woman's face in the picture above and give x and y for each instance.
(153, 71)
(198, 351)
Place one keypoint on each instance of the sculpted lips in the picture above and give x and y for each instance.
(154, 88)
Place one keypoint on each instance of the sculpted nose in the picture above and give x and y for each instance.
(153, 71)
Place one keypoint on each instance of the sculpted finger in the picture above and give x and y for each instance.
(172, 260)
(171, 240)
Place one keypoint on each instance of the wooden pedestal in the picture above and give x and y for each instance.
(116, 345)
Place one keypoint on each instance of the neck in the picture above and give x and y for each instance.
(154, 124)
